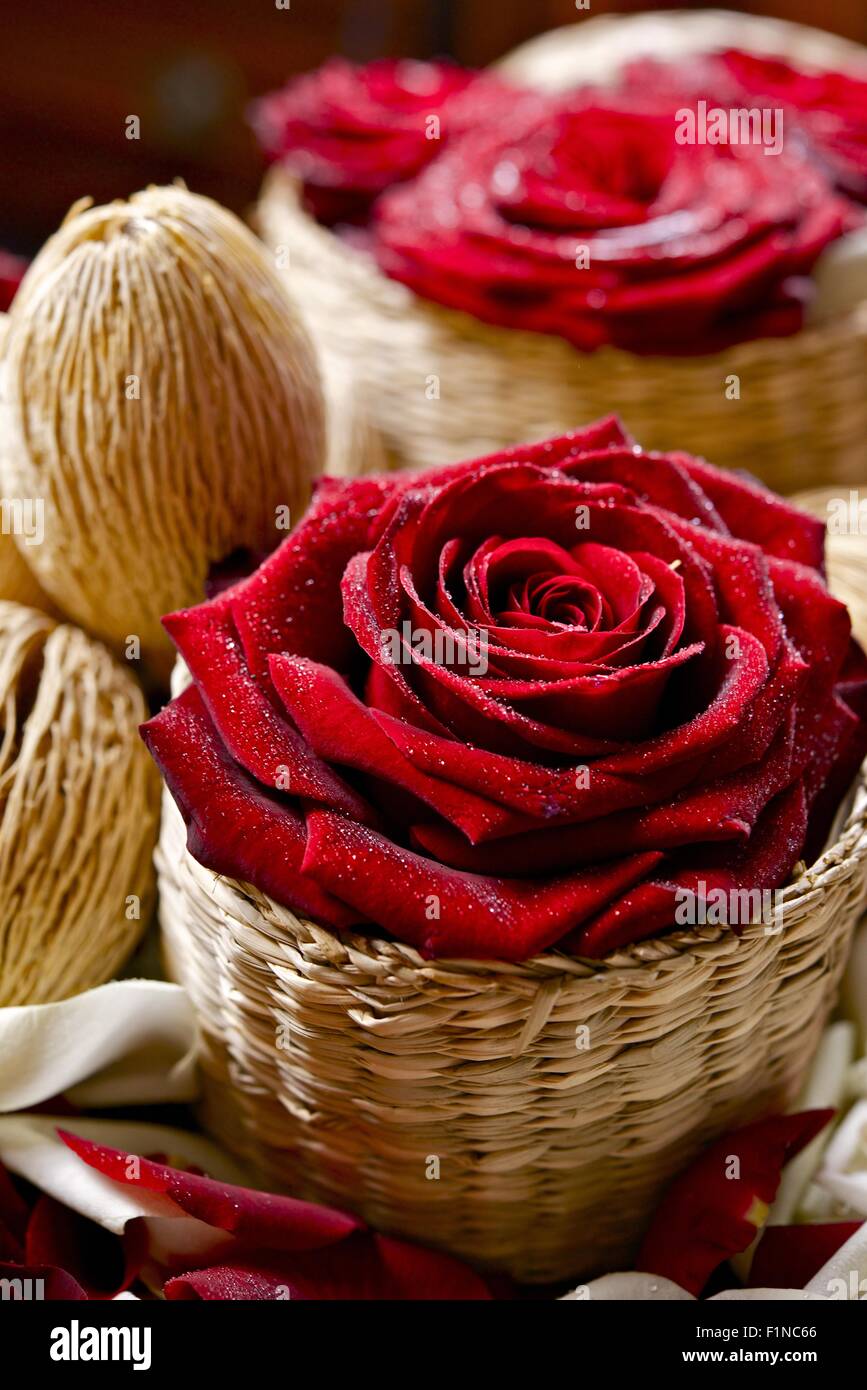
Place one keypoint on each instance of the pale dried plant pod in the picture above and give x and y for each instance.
(78, 810)
(18, 583)
(164, 403)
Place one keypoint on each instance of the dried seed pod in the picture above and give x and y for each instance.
(164, 404)
(18, 583)
(78, 810)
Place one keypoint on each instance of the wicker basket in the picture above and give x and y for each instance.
(441, 385)
(593, 50)
(458, 1102)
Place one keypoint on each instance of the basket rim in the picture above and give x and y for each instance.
(362, 268)
(764, 34)
(838, 860)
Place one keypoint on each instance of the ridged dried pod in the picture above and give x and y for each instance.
(18, 583)
(78, 810)
(164, 403)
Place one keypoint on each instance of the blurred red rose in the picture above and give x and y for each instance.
(349, 132)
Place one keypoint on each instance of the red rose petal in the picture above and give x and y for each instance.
(366, 1266)
(763, 863)
(233, 826)
(43, 1283)
(756, 514)
(251, 728)
(446, 912)
(263, 1218)
(714, 1209)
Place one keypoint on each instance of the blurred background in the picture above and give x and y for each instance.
(74, 70)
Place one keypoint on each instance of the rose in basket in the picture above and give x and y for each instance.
(541, 698)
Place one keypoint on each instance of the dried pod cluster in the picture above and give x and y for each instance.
(78, 810)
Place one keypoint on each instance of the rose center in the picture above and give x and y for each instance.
(593, 169)
(561, 599)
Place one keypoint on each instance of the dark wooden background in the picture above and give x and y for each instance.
(73, 70)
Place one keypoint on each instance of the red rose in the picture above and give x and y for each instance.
(530, 699)
(349, 132)
(586, 218)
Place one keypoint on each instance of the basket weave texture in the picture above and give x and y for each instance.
(526, 1117)
(440, 385)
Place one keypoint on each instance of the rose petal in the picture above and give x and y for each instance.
(233, 826)
(445, 912)
(714, 1209)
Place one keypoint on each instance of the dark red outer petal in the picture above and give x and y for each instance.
(251, 728)
(763, 862)
(341, 728)
(60, 1237)
(756, 514)
(366, 1266)
(445, 912)
(233, 826)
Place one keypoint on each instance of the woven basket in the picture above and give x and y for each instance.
(458, 1102)
(801, 419)
(593, 50)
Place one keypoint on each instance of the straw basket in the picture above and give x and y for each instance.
(526, 1117)
(440, 385)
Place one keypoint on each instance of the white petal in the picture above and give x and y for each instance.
(844, 1171)
(845, 1274)
(766, 1296)
(630, 1287)
(130, 1041)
